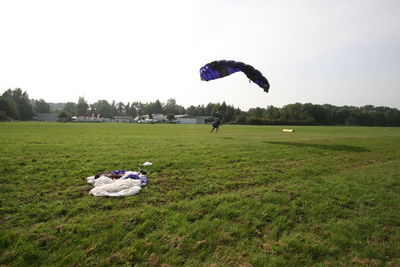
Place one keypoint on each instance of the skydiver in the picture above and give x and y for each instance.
(215, 125)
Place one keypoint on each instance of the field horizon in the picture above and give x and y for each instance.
(245, 196)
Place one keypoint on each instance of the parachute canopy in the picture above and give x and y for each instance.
(222, 68)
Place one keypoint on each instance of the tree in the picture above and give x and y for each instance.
(82, 107)
(139, 107)
(3, 116)
(70, 107)
(257, 112)
(158, 108)
(296, 113)
(121, 110)
(172, 108)
(23, 104)
(130, 110)
(170, 117)
(192, 110)
(40, 106)
(9, 107)
(241, 119)
(154, 107)
(215, 109)
(317, 113)
(65, 116)
(208, 110)
(230, 113)
(58, 107)
(272, 113)
(114, 111)
(223, 107)
(102, 107)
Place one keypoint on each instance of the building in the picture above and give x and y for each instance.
(46, 117)
(123, 119)
(194, 120)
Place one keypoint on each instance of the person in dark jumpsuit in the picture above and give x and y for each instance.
(215, 125)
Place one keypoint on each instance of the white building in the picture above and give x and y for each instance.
(123, 119)
(191, 120)
(185, 119)
(46, 116)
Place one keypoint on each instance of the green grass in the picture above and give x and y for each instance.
(248, 195)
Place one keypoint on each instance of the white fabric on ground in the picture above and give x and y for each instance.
(117, 188)
(90, 179)
(105, 186)
(102, 180)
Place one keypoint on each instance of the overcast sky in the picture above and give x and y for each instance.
(342, 52)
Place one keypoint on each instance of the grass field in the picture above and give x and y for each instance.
(246, 196)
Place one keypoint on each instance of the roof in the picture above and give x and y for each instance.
(181, 116)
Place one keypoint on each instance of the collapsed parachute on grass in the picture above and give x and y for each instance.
(117, 183)
(219, 69)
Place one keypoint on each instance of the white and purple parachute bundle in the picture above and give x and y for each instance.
(118, 183)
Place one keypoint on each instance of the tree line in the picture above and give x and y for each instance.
(16, 105)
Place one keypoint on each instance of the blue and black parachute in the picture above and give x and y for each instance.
(222, 68)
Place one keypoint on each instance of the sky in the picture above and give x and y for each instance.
(344, 52)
